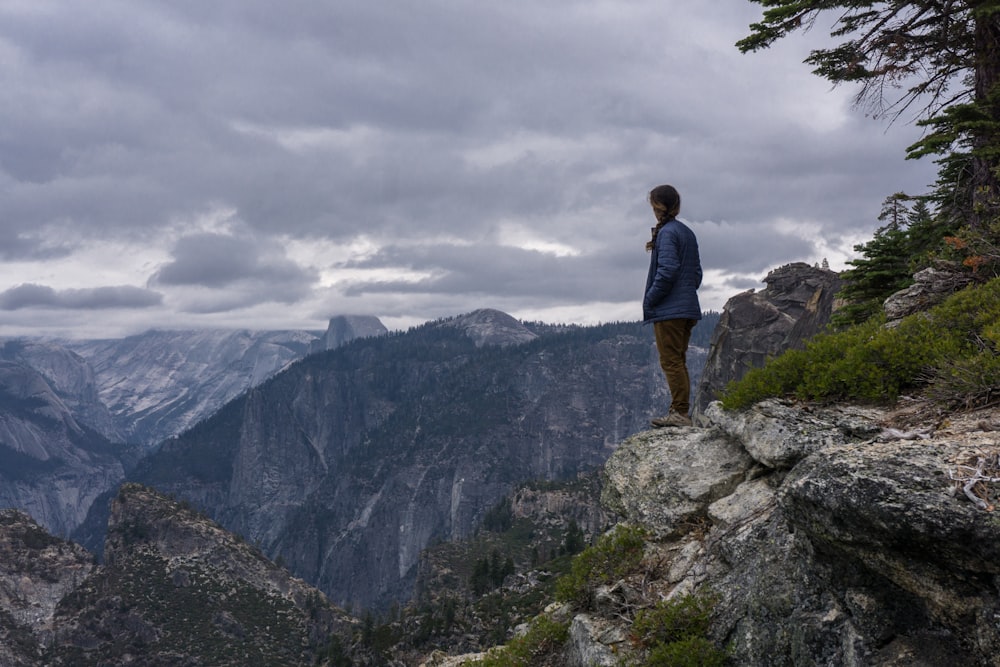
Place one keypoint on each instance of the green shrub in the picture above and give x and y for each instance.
(675, 632)
(543, 641)
(967, 383)
(616, 554)
(673, 620)
(873, 363)
(691, 652)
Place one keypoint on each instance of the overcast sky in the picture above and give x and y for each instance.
(265, 165)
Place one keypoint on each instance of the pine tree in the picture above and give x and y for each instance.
(574, 542)
(942, 54)
(480, 582)
(899, 248)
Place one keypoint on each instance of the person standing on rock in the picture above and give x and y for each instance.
(671, 299)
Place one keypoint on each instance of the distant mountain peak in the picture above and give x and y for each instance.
(488, 326)
(345, 328)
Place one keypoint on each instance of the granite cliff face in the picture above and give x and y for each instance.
(795, 305)
(51, 466)
(56, 428)
(350, 463)
(70, 377)
(159, 383)
(343, 329)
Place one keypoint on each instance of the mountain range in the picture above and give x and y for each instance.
(351, 462)
(343, 462)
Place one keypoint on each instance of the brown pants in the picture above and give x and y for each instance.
(672, 337)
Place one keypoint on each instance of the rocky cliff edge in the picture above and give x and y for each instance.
(832, 536)
(828, 536)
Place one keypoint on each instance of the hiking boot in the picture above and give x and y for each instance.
(672, 419)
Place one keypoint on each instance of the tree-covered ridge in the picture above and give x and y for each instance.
(376, 363)
(399, 367)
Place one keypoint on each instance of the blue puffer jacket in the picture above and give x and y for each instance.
(674, 276)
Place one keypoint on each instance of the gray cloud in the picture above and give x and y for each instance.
(748, 247)
(24, 246)
(404, 124)
(40, 296)
(228, 272)
(501, 273)
(218, 260)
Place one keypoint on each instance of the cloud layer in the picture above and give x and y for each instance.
(240, 163)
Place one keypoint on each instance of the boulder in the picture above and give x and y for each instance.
(931, 286)
(778, 434)
(855, 543)
(795, 305)
(666, 478)
(888, 513)
(595, 642)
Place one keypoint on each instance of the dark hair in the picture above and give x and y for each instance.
(665, 199)
(666, 203)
